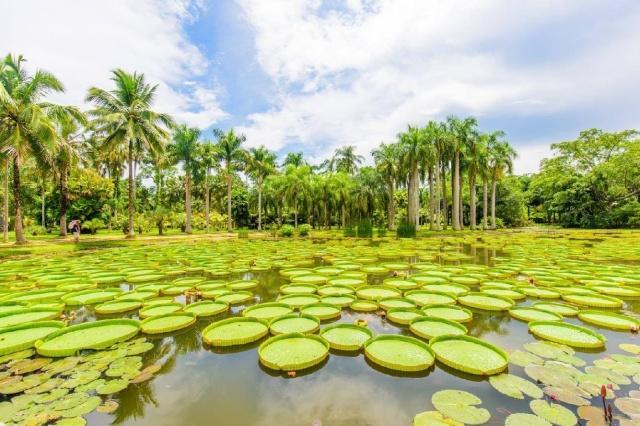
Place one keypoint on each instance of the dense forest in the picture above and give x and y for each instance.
(120, 165)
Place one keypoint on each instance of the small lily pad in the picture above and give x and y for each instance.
(554, 413)
(460, 406)
(515, 386)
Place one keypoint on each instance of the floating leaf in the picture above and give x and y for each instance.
(469, 354)
(293, 351)
(523, 358)
(400, 353)
(346, 337)
(571, 394)
(108, 407)
(629, 406)
(630, 347)
(593, 415)
(555, 413)
(567, 334)
(433, 418)
(525, 419)
(460, 406)
(515, 386)
(112, 386)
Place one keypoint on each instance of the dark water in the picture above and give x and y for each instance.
(201, 386)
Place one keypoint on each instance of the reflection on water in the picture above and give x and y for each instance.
(198, 385)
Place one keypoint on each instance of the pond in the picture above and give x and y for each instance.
(190, 382)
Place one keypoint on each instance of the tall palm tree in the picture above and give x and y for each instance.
(27, 129)
(501, 156)
(260, 164)
(230, 151)
(429, 165)
(207, 159)
(4, 161)
(346, 160)
(184, 150)
(472, 151)
(124, 118)
(297, 187)
(387, 159)
(484, 172)
(294, 159)
(412, 150)
(341, 187)
(462, 131)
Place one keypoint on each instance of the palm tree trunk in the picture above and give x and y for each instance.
(472, 199)
(391, 212)
(43, 220)
(437, 195)
(17, 202)
(132, 191)
(432, 225)
(485, 202)
(187, 203)
(64, 201)
(456, 191)
(344, 216)
(229, 222)
(493, 204)
(295, 214)
(412, 195)
(260, 205)
(207, 201)
(445, 208)
(5, 206)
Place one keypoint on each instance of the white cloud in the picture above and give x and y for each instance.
(80, 41)
(360, 75)
(529, 157)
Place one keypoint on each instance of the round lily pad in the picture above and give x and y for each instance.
(629, 406)
(24, 336)
(27, 315)
(90, 297)
(294, 323)
(112, 386)
(242, 284)
(346, 337)
(293, 351)
(528, 314)
(429, 327)
(364, 306)
(377, 292)
(161, 309)
(335, 290)
(235, 298)
(167, 323)
(469, 354)
(450, 312)
(339, 300)
(398, 352)
(595, 300)
(557, 308)
(486, 302)
(89, 335)
(567, 334)
(323, 311)
(460, 406)
(206, 308)
(403, 315)
(298, 289)
(427, 298)
(395, 302)
(267, 311)
(235, 331)
(515, 386)
(315, 279)
(609, 320)
(117, 306)
(297, 301)
(554, 413)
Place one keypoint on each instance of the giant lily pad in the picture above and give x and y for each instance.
(88, 335)
(595, 300)
(398, 352)
(428, 298)
(27, 315)
(364, 306)
(429, 327)
(403, 315)
(515, 386)
(557, 308)
(323, 311)
(609, 320)
(293, 351)
(567, 334)
(529, 314)
(161, 309)
(297, 301)
(167, 323)
(206, 308)
(235, 331)
(117, 306)
(450, 312)
(486, 302)
(469, 354)
(235, 298)
(267, 311)
(554, 413)
(346, 337)
(90, 297)
(377, 292)
(294, 323)
(460, 406)
(24, 336)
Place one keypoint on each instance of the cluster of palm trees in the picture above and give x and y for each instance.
(121, 131)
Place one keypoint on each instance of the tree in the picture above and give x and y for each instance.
(501, 156)
(462, 131)
(387, 159)
(229, 150)
(123, 118)
(429, 165)
(297, 187)
(412, 149)
(346, 160)
(207, 159)
(27, 129)
(184, 150)
(260, 164)
(4, 163)
(294, 159)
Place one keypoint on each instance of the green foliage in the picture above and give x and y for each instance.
(304, 230)
(349, 231)
(364, 229)
(243, 233)
(286, 231)
(92, 226)
(406, 230)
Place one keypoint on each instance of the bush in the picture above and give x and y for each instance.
(364, 229)
(349, 231)
(286, 231)
(382, 230)
(304, 230)
(406, 230)
(243, 233)
(93, 225)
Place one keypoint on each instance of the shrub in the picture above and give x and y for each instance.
(382, 230)
(349, 231)
(364, 229)
(286, 231)
(93, 225)
(304, 230)
(406, 230)
(243, 233)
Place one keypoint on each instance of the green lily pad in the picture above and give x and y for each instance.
(554, 413)
(24, 336)
(377, 292)
(528, 314)
(297, 301)
(596, 300)
(469, 354)
(567, 334)
(206, 308)
(432, 418)
(523, 358)
(449, 312)
(629, 406)
(167, 323)
(398, 352)
(525, 419)
(573, 395)
(293, 351)
(90, 335)
(27, 315)
(557, 308)
(486, 302)
(163, 309)
(267, 311)
(323, 311)
(429, 327)
(387, 303)
(403, 315)
(428, 298)
(630, 347)
(364, 306)
(294, 323)
(460, 406)
(515, 386)
(112, 386)
(339, 300)
(117, 306)
(346, 337)
(235, 331)
(609, 320)
(90, 297)
(298, 289)
(235, 298)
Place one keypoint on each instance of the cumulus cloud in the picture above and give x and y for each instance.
(359, 74)
(80, 41)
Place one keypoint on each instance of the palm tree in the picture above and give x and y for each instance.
(207, 159)
(260, 164)
(501, 156)
(294, 159)
(184, 150)
(341, 187)
(387, 159)
(412, 150)
(27, 129)
(462, 131)
(297, 187)
(229, 149)
(472, 150)
(429, 165)
(346, 160)
(124, 118)
(484, 172)
(4, 160)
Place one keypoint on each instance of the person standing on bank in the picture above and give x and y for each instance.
(75, 228)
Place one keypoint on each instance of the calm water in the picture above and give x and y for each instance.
(201, 386)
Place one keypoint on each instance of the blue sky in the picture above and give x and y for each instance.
(311, 75)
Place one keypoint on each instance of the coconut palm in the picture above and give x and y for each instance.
(387, 159)
(462, 130)
(412, 149)
(429, 165)
(4, 161)
(123, 118)
(27, 128)
(484, 172)
(184, 150)
(501, 156)
(230, 151)
(472, 151)
(260, 164)
(297, 187)
(294, 159)
(345, 160)
(207, 159)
